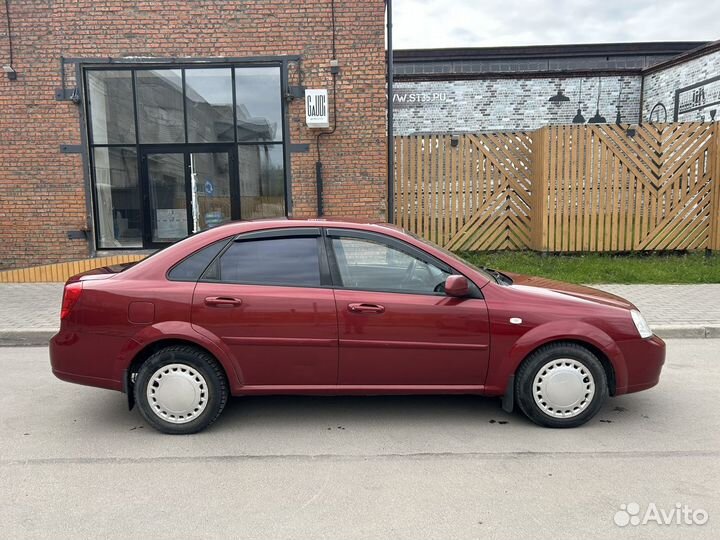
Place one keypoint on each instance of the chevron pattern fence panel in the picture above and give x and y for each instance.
(627, 188)
(563, 188)
(465, 192)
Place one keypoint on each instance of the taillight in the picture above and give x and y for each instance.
(71, 295)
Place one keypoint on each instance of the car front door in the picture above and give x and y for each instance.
(396, 325)
(267, 297)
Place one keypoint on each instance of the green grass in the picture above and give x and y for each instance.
(605, 268)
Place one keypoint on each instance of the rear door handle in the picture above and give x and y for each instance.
(366, 308)
(222, 301)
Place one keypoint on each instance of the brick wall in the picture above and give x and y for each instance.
(660, 87)
(509, 103)
(42, 194)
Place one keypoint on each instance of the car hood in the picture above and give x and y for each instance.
(569, 289)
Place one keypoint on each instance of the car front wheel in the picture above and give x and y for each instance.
(561, 385)
(180, 390)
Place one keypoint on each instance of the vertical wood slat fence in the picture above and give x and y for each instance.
(563, 188)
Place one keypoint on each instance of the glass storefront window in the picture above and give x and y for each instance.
(111, 107)
(208, 102)
(262, 181)
(117, 196)
(179, 149)
(160, 106)
(259, 112)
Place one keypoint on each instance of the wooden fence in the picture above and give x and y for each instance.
(563, 188)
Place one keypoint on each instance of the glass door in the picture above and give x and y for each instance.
(168, 213)
(186, 191)
(210, 188)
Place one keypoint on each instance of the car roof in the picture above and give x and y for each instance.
(273, 223)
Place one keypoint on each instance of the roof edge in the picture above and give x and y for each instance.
(549, 51)
(708, 48)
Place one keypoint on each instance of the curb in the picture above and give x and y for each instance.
(678, 331)
(26, 337)
(39, 337)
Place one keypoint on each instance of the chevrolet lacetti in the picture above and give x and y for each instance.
(336, 307)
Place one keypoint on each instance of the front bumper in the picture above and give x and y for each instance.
(644, 359)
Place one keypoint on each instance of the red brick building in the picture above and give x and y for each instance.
(125, 125)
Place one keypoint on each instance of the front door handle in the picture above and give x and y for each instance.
(366, 308)
(222, 301)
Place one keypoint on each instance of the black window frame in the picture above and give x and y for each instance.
(394, 243)
(85, 68)
(274, 234)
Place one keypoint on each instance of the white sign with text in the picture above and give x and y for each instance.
(316, 108)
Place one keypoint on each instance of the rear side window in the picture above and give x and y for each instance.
(190, 268)
(273, 261)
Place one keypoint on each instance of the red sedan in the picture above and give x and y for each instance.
(332, 307)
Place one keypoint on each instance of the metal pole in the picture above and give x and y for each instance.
(390, 145)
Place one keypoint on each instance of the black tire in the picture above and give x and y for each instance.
(215, 388)
(540, 359)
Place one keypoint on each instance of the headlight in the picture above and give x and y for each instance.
(641, 324)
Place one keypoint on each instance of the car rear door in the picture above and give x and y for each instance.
(267, 297)
(396, 326)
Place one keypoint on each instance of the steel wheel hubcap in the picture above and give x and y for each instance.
(563, 388)
(177, 393)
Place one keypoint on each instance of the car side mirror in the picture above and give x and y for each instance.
(457, 286)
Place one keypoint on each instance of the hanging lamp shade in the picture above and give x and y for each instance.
(579, 118)
(597, 119)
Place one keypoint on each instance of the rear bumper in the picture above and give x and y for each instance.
(644, 359)
(79, 359)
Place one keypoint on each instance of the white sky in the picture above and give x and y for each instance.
(427, 24)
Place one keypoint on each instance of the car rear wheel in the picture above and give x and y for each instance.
(561, 385)
(180, 390)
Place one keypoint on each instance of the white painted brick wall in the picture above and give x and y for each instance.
(660, 87)
(513, 103)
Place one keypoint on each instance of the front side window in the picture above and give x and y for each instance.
(371, 265)
(272, 261)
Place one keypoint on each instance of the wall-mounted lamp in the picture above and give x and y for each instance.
(454, 140)
(10, 72)
(559, 97)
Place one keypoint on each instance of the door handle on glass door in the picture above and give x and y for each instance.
(222, 301)
(366, 308)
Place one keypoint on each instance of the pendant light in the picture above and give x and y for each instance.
(579, 118)
(597, 119)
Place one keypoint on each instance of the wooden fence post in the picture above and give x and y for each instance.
(539, 194)
(714, 165)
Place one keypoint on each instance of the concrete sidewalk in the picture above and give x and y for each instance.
(29, 313)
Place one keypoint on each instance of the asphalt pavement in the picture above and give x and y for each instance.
(74, 463)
